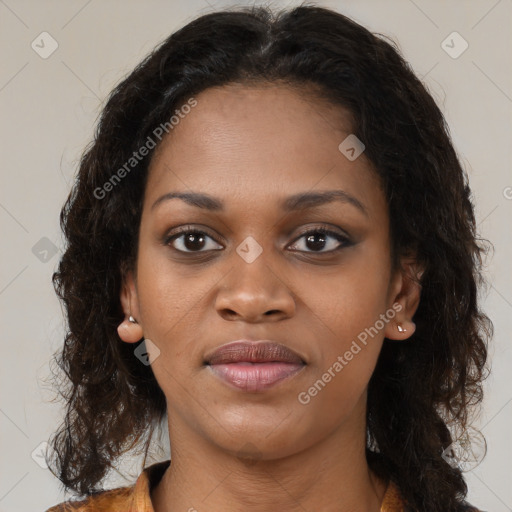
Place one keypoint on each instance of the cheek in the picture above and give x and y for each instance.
(346, 303)
(335, 394)
(165, 294)
(349, 333)
(347, 349)
(172, 302)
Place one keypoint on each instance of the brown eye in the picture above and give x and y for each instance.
(318, 239)
(191, 240)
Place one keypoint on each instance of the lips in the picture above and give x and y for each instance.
(243, 351)
(254, 366)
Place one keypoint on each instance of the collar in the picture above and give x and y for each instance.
(149, 478)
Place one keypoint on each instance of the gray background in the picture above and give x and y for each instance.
(49, 108)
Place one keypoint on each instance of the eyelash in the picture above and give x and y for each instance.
(344, 241)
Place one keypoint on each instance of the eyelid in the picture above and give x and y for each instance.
(326, 228)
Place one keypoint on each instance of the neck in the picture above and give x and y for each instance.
(331, 475)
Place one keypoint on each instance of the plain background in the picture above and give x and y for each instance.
(49, 110)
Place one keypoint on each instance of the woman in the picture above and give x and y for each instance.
(271, 245)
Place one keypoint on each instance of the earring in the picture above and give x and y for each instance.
(132, 320)
(400, 328)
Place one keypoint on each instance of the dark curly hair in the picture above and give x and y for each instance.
(421, 390)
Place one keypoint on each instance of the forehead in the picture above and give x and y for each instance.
(250, 142)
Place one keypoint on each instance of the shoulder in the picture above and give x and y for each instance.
(110, 500)
(136, 498)
(394, 502)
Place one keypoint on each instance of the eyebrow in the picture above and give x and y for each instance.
(300, 201)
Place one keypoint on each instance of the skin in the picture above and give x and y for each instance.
(251, 147)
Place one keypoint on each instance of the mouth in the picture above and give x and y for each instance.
(244, 351)
(254, 366)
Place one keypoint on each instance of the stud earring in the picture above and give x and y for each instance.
(130, 330)
(400, 328)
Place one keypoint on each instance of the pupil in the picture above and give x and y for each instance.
(312, 237)
(193, 238)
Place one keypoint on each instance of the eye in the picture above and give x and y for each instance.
(318, 239)
(191, 240)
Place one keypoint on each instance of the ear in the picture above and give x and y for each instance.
(130, 331)
(404, 299)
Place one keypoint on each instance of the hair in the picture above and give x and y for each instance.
(420, 390)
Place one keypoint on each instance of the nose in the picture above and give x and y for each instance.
(254, 292)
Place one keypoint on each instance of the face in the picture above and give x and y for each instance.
(251, 149)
